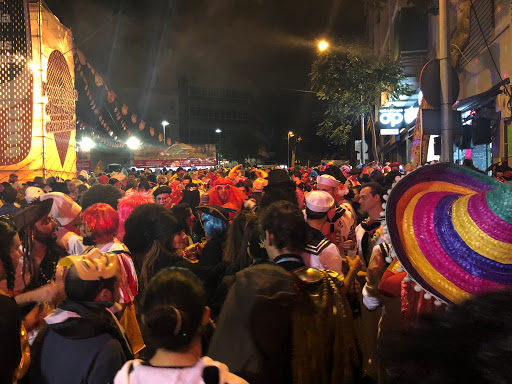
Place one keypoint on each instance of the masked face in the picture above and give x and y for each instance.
(162, 198)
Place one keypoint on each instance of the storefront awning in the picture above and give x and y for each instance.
(481, 99)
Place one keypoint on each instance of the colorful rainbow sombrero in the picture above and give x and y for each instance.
(451, 229)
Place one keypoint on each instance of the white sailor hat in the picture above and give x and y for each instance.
(327, 180)
(319, 201)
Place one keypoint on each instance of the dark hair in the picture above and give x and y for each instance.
(144, 184)
(375, 189)
(172, 290)
(285, 222)
(7, 232)
(469, 343)
(9, 195)
(311, 215)
(181, 212)
(297, 173)
(85, 290)
(377, 177)
(242, 184)
(336, 173)
(235, 250)
(81, 188)
(283, 191)
(253, 235)
(149, 230)
(101, 193)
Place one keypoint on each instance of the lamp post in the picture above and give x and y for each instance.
(218, 131)
(165, 123)
(290, 134)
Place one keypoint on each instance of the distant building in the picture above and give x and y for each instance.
(208, 114)
(410, 34)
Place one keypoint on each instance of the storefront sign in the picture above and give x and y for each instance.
(393, 119)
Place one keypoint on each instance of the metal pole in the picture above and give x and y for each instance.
(446, 108)
(505, 142)
(43, 128)
(288, 152)
(362, 139)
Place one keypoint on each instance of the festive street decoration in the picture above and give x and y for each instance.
(116, 124)
(15, 86)
(37, 95)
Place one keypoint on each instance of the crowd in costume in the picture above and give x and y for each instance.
(366, 274)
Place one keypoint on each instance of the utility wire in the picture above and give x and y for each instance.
(490, 53)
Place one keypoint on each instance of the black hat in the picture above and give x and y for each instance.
(162, 189)
(215, 211)
(149, 222)
(33, 213)
(277, 176)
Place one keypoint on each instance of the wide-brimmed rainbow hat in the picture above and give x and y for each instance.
(451, 229)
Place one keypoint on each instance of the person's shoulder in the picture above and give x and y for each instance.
(264, 279)
(224, 375)
(123, 376)
(261, 270)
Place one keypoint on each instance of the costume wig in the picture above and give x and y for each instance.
(127, 204)
(235, 196)
(103, 220)
(214, 226)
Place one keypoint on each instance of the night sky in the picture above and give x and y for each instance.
(264, 46)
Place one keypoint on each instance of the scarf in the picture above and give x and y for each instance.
(369, 229)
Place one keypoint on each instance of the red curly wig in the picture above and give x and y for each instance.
(103, 220)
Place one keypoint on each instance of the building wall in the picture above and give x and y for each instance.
(478, 73)
(203, 110)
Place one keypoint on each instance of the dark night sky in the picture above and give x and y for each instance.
(258, 45)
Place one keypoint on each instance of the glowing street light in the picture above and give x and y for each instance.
(165, 123)
(218, 130)
(290, 134)
(133, 143)
(323, 45)
(87, 143)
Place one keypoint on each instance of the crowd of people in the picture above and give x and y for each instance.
(251, 275)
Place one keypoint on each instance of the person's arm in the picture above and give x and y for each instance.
(354, 266)
(49, 293)
(391, 283)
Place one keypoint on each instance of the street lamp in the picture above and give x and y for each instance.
(87, 143)
(323, 45)
(290, 134)
(165, 123)
(218, 131)
(133, 143)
